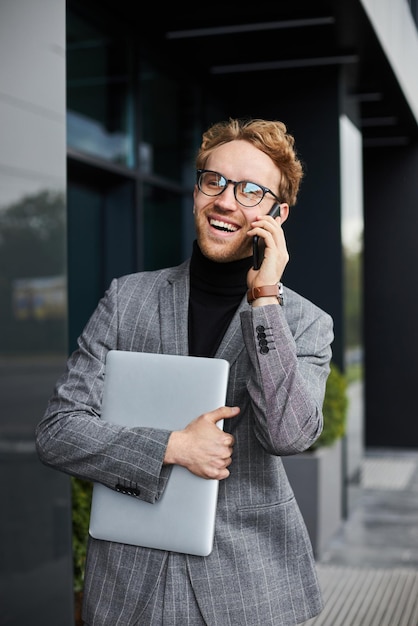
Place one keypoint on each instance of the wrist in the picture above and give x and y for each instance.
(171, 453)
(266, 292)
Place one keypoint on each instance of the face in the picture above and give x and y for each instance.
(221, 222)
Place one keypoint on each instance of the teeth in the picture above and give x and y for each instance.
(223, 225)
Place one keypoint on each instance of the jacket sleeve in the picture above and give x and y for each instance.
(72, 437)
(289, 349)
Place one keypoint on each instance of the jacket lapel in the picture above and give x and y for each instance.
(174, 306)
(232, 344)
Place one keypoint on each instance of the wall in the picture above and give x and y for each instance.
(35, 525)
(391, 303)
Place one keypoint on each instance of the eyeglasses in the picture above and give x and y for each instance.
(248, 194)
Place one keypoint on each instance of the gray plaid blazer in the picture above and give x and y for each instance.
(261, 570)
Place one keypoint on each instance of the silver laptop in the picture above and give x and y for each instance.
(162, 391)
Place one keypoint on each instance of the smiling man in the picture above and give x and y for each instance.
(261, 571)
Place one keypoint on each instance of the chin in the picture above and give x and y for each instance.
(222, 252)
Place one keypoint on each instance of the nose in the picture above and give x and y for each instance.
(226, 199)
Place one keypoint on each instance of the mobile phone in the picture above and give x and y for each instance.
(258, 242)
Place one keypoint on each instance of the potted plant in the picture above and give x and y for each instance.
(316, 475)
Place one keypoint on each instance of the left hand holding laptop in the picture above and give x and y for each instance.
(202, 447)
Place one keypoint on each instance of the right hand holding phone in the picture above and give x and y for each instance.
(259, 243)
(267, 231)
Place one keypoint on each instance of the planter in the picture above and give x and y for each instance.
(317, 481)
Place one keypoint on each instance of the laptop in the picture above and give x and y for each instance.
(163, 391)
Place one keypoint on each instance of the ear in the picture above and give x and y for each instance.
(195, 192)
(284, 212)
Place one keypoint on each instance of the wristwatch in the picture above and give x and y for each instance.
(266, 290)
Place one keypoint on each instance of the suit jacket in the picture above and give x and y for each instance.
(261, 570)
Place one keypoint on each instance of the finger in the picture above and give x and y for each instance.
(223, 412)
(228, 444)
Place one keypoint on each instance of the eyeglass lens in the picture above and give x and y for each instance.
(246, 193)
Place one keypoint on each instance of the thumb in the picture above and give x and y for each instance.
(224, 412)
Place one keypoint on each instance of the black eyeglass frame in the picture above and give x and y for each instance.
(235, 184)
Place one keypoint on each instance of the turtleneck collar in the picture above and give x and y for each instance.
(220, 278)
(216, 290)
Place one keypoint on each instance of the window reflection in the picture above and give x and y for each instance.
(39, 298)
(33, 283)
(99, 90)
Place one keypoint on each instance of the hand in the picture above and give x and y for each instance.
(276, 255)
(202, 447)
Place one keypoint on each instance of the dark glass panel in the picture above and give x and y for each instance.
(101, 229)
(85, 254)
(99, 88)
(161, 142)
(162, 228)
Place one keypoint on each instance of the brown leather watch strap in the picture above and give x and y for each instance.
(265, 291)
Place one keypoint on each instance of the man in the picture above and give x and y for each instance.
(261, 571)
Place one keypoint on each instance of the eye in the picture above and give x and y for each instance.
(251, 190)
(212, 179)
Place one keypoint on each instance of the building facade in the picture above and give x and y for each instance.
(101, 113)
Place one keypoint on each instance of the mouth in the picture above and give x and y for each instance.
(224, 227)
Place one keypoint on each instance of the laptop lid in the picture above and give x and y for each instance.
(163, 391)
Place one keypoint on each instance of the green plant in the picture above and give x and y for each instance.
(81, 500)
(334, 409)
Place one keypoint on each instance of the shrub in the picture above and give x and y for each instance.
(334, 409)
(81, 500)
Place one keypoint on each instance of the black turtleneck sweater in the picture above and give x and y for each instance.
(216, 290)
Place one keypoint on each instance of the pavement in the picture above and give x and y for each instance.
(369, 569)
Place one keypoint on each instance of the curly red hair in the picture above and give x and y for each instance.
(271, 137)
